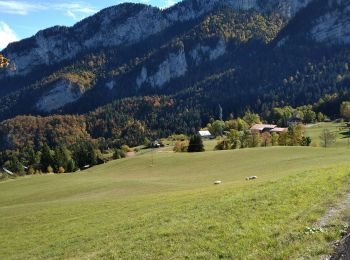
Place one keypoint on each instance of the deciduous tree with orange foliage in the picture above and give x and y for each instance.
(3, 62)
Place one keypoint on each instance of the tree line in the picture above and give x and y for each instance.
(61, 159)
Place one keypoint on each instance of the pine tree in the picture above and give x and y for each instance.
(84, 153)
(71, 166)
(47, 157)
(196, 144)
(62, 157)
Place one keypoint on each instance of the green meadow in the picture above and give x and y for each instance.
(164, 205)
(342, 131)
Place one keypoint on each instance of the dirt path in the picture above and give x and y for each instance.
(334, 211)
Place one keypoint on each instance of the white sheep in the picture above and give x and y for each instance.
(251, 178)
(217, 182)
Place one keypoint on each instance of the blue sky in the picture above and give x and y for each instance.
(20, 19)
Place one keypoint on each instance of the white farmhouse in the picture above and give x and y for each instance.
(205, 134)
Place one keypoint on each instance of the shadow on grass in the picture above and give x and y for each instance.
(345, 132)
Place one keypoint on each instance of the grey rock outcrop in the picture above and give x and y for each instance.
(123, 24)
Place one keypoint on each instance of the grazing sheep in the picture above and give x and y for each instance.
(217, 182)
(251, 178)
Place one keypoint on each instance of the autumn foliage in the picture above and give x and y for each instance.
(3, 62)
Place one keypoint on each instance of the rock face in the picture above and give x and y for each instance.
(323, 21)
(124, 24)
(145, 22)
(202, 52)
(285, 7)
(62, 93)
(192, 9)
(333, 26)
(174, 66)
(343, 249)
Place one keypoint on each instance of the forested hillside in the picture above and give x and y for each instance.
(172, 74)
(164, 64)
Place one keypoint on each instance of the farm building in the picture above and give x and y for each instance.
(294, 121)
(278, 130)
(205, 134)
(262, 128)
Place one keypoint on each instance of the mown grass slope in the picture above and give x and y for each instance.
(131, 209)
(340, 129)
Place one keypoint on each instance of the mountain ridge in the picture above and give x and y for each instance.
(134, 22)
(165, 66)
(249, 54)
(322, 21)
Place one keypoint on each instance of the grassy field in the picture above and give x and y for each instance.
(170, 209)
(343, 141)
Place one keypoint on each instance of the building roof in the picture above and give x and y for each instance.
(260, 127)
(7, 171)
(204, 133)
(278, 130)
(295, 119)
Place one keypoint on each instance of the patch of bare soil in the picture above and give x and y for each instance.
(342, 247)
(342, 251)
(333, 211)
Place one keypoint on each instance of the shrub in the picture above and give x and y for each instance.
(118, 154)
(236, 144)
(306, 141)
(61, 169)
(181, 146)
(126, 149)
(31, 171)
(222, 145)
(49, 169)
